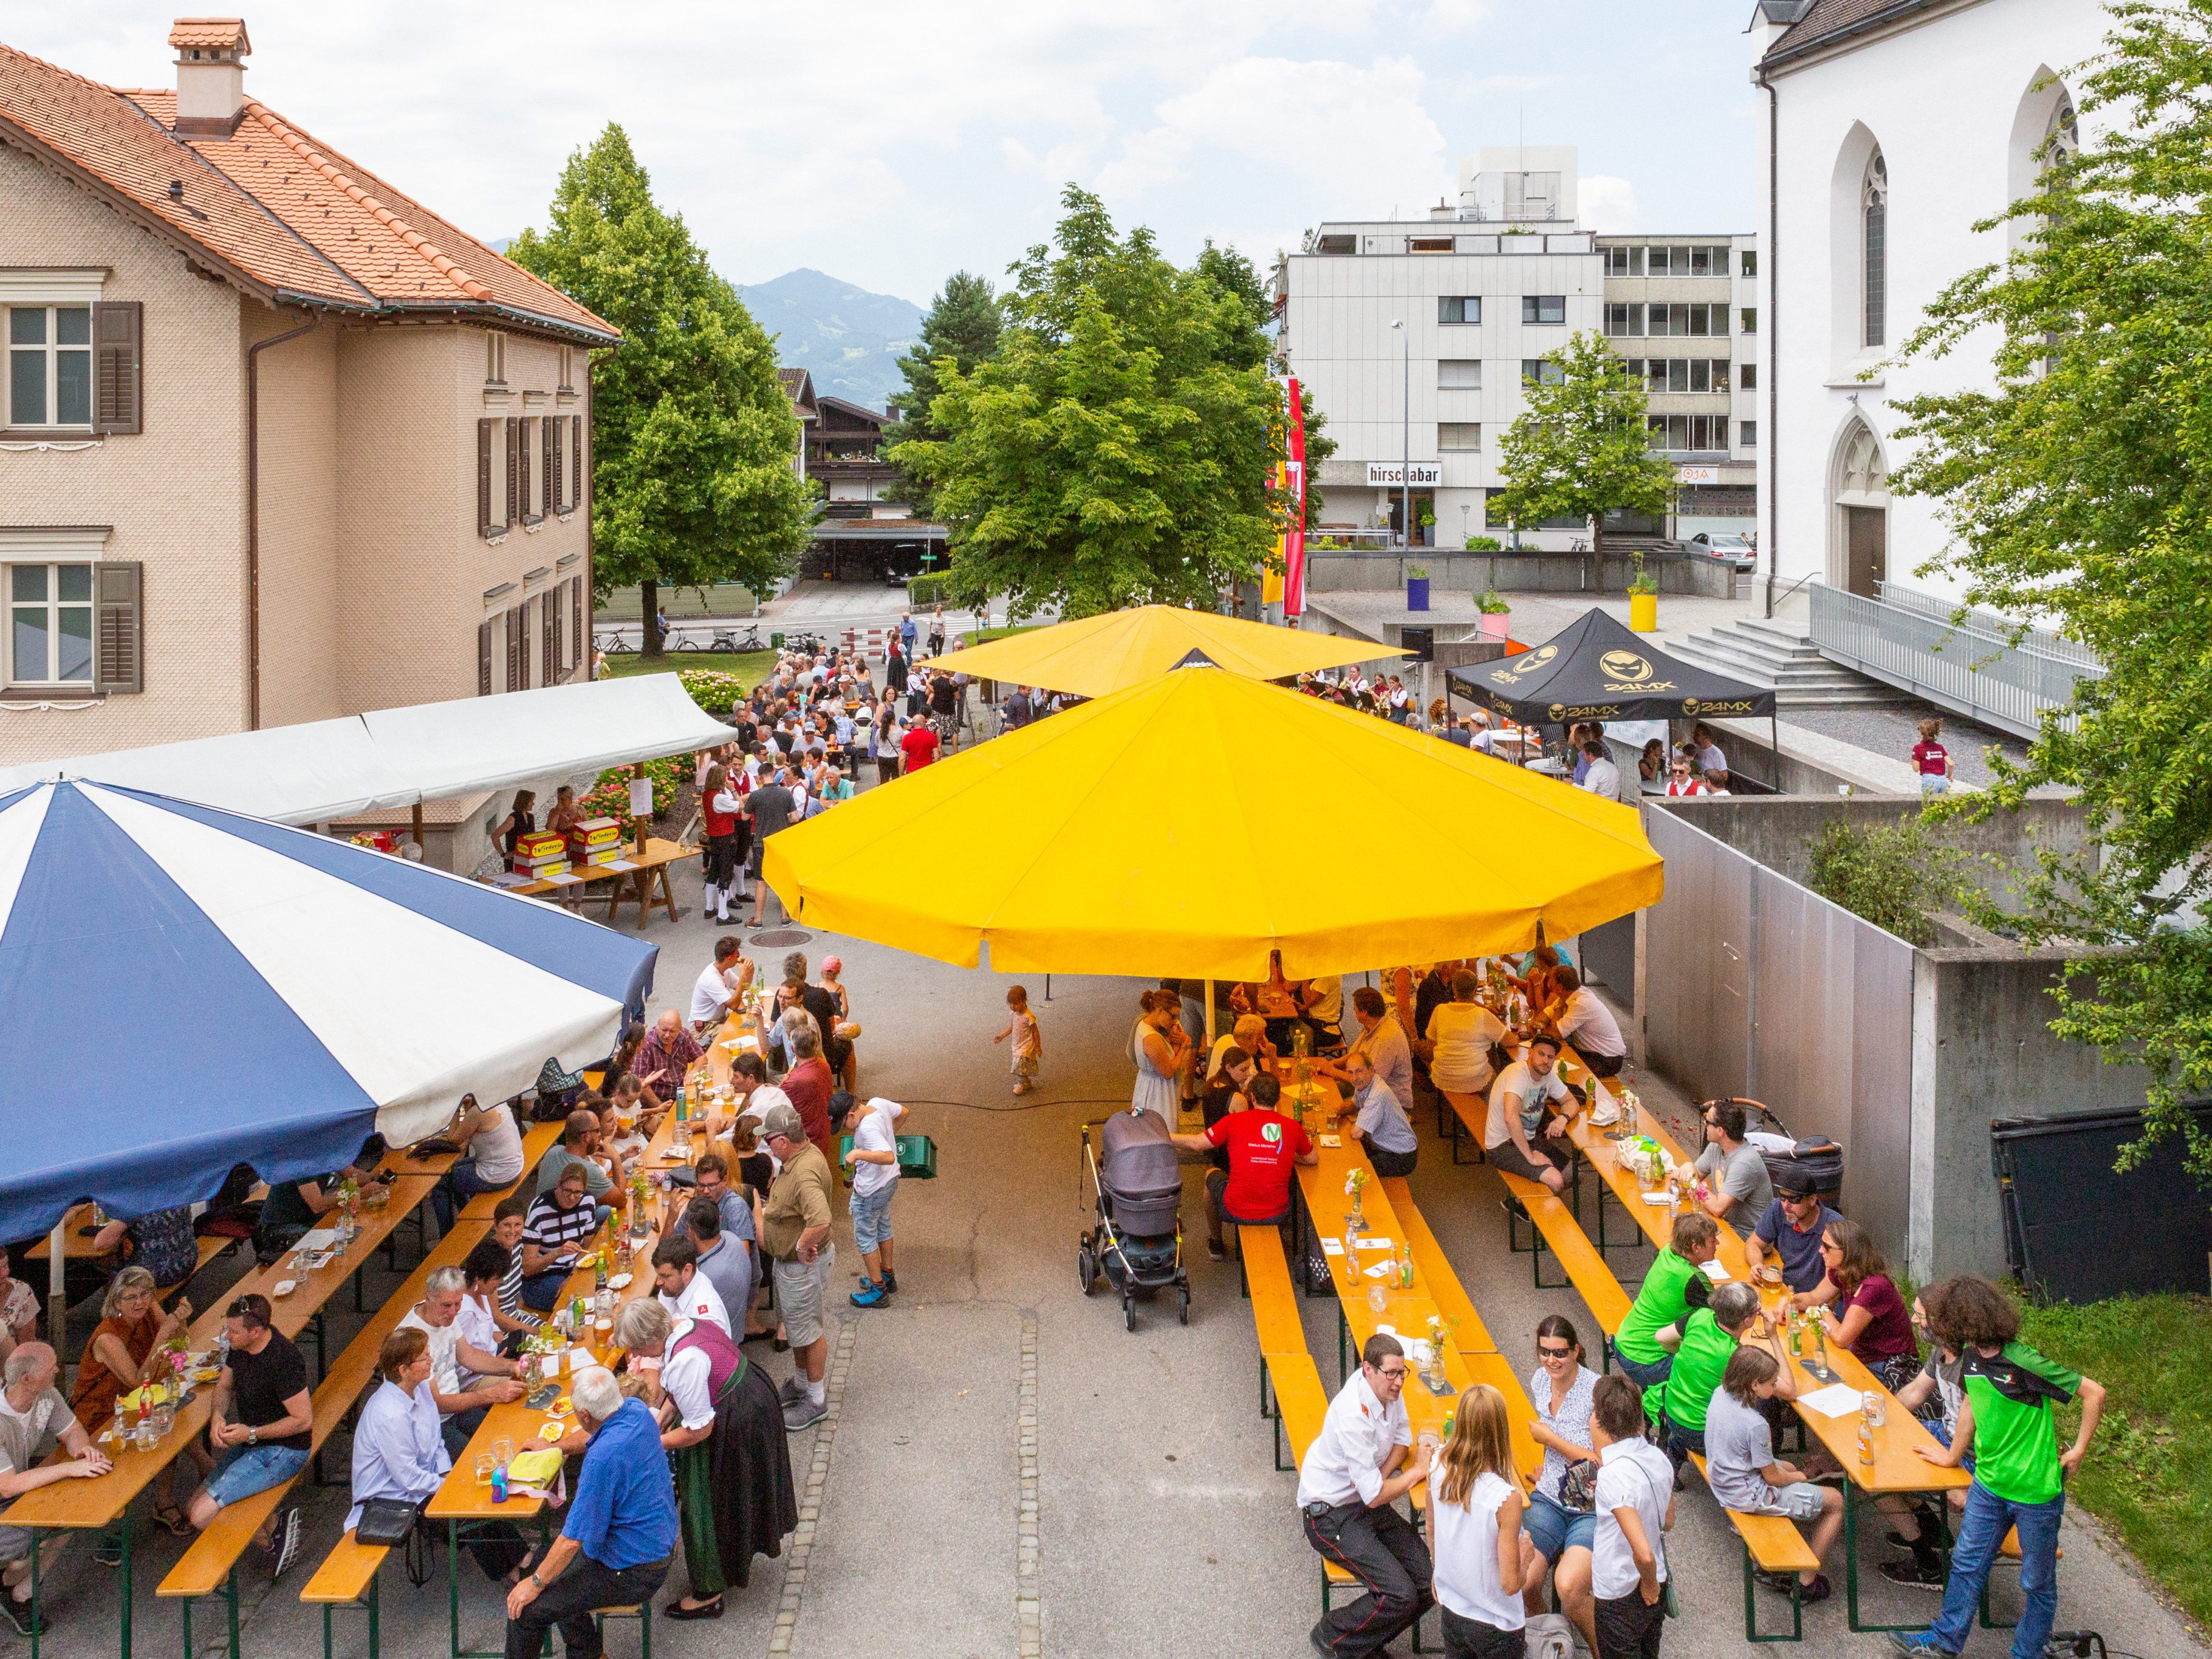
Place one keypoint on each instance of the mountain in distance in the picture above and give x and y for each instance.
(849, 339)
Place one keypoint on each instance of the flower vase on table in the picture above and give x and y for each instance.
(1355, 1185)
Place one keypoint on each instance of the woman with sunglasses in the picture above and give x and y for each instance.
(1561, 1523)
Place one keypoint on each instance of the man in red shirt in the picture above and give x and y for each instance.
(808, 1083)
(919, 746)
(1262, 1145)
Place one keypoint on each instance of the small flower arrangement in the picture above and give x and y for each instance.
(1643, 582)
(1353, 1182)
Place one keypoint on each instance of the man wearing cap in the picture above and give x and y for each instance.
(795, 1237)
(1790, 1232)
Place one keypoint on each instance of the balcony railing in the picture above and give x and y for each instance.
(1968, 662)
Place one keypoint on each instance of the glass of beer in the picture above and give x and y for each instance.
(487, 1465)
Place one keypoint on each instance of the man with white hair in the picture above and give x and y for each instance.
(466, 1381)
(615, 1547)
(35, 1418)
(1480, 737)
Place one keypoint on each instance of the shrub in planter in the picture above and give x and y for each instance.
(1484, 545)
(610, 796)
(713, 689)
(1491, 603)
(1643, 582)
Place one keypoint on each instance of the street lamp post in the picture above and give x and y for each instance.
(1406, 437)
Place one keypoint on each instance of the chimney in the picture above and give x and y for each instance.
(1444, 209)
(210, 74)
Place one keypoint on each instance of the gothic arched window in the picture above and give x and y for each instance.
(1873, 220)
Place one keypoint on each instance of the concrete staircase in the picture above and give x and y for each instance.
(1776, 655)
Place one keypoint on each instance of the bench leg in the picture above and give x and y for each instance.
(1751, 1606)
(1281, 1466)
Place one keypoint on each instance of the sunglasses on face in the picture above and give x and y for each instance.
(1543, 1352)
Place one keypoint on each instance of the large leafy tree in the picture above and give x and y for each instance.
(2078, 488)
(693, 439)
(1580, 447)
(962, 327)
(1117, 447)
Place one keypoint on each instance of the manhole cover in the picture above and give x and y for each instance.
(782, 936)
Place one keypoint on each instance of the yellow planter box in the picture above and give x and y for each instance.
(1644, 612)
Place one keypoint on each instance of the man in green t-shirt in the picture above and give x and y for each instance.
(2019, 1474)
(1708, 1339)
(1676, 1283)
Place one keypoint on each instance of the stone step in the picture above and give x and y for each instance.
(1755, 649)
(1774, 659)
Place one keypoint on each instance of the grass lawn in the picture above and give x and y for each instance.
(2141, 1477)
(750, 666)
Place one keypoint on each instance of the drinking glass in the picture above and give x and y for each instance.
(1875, 1407)
(486, 1465)
(502, 1452)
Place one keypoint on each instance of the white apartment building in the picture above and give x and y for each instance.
(1416, 338)
(1885, 134)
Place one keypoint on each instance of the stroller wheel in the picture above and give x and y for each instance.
(1185, 1305)
(1086, 1270)
(1130, 1311)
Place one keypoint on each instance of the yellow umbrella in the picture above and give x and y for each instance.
(1115, 649)
(1189, 825)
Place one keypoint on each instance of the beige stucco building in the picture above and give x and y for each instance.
(280, 444)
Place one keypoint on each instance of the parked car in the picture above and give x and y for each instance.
(1735, 550)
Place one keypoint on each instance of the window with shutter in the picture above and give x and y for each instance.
(575, 459)
(513, 470)
(119, 626)
(548, 632)
(522, 472)
(484, 526)
(576, 619)
(117, 326)
(484, 660)
(517, 643)
(548, 482)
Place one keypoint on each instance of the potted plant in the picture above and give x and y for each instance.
(1483, 544)
(1643, 600)
(1417, 587)
(1496, 614)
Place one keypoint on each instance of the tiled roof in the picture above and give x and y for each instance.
(278, 212)
(209, 32)
(798, 385)
(1824, 21)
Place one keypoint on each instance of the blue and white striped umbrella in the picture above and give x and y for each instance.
(183, 989)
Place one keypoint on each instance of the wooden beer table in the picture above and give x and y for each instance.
(92, 1505)
(460, 1503)
(632, 874)
(1897, 1466)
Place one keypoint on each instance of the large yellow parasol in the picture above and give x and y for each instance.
(1189, 825)
(1116, 649)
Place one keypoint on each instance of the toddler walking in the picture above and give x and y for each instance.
(1028, 1044)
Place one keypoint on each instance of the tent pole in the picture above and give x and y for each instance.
(1774, 747)
(1203, 1058)
(418, 832)
(56, 1299)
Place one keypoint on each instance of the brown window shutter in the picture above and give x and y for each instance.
(119, 629)
(576, 619)
(548, 622)
(575, 460)
(516, 644)
(513, 470)
(484, 660)
(117, 326)
(556, 636)
(483, 478)
(522, 502)
(547, 436)
(558, 494)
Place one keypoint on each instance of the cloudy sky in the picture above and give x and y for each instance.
(890, 143)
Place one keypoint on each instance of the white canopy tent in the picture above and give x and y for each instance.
(396, 757)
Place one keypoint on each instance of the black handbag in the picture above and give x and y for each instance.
(387, 1522)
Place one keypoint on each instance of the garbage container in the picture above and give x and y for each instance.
(776, 641)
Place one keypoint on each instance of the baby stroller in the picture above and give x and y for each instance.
(1139, 1237)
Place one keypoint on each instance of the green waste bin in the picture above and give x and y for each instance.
(917, 1158)
(776, 640)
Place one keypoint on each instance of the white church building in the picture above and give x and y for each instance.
(1886, 129)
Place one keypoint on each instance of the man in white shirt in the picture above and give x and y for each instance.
(685, 1291)
(1515, 1126)
(465, 1380)
(1635, 1508)
(1483, 740)
(1359, 1467)
(722, 981)
(1602, 777)
(1587, 1022)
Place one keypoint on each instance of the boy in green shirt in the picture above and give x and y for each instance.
(2019, 1474)
(1646, 1340)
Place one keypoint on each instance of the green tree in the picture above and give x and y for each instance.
(962, 329)
(1117, 448)
(692, 437)
(2078, 489)
(1581, 448)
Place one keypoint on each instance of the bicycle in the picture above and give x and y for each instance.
(725, 638)
(613, 645)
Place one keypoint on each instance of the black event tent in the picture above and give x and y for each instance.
(1596, 670)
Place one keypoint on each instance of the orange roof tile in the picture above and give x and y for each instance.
(217, 32)
(277, 211)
